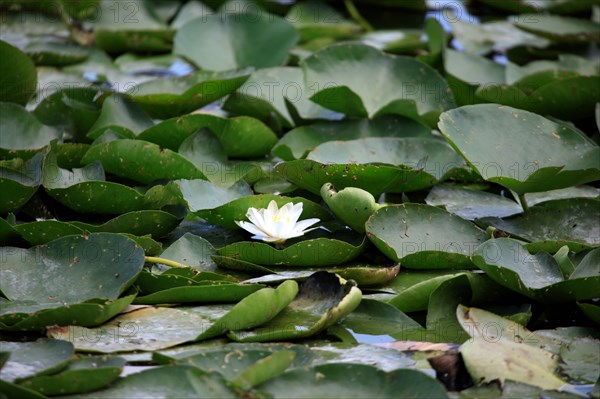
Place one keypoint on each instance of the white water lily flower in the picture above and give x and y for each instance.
(276, 225)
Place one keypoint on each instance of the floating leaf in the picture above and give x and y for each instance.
(502, 153)
(402, 87)
(193, 251)
(28, 359)
(141, 161)
(538, 276)
(19, 181)
(99, 265)
(550, 225)
(44, 231)
(18, 77)
(323, 299)
(227, 41)
(405, 234)
(212, 292)
(558, 28)
(580, 360)
(120, 116)
(139, 223)
(317, 20)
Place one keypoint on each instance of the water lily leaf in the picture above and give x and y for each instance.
(121, 116)
(502, 154)
(10, 236)
(44, 231)
(558, 28)
(376, 165)
(80, 376)
(352, 205)
(226, 215)
(471, 204)
(442, 321)
(215, 291)
(178, 381)
(538, 276)
(172, 132)
(278, 97)
(32, 137)
(486, 361)
(17, 391)
(320, 251)
(227, 41)
(139, 223)
(323, 299)
(18, 77)
(404, 233)
(240, 265)
(26, 315)
(141, 161)
(28, 359)
(317, 20)
(351, 66)
(193, 251)
(55, 52)
(164, 98)
(550, 225)
(580, 360)
(19, 181)
(123, 26)
(145, 329)
(552, 6)
(344, 381)
(563, 193)
(591, 311)
(85, 267)
(406, 41)
(296, 143)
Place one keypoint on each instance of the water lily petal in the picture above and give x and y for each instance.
(249, 227)
(304, 224)
(295, 213)
(271, 211)
(256, 216)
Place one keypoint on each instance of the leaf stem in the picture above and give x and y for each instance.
(353, 11)
(172, 263)
(523, 202)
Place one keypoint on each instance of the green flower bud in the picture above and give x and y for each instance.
(352, 205)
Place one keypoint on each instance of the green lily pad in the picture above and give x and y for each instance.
(121, 116)
(176, 381)
(55, 52)
(320, 251)
(80, 376)
(502, 153)
(19, 181)
(405, 41)
(226, 41)
(122, 26)
(216, 291)
(354, 93)
(18, 77)
(591, 311)
(228, 263)
(141, 161)
(558, 28)
(471, 204)
(538, 276)
(32, 137)
(404, 233)
(85, 267)
(44, 231)
(316, 20)
(376, 165)
(352, 205)
(193, 251)
(552, 6)
(550, 225)
(580, 360)
(298, 142)
(442, 321)
(29, 359)
(139, 223)
(10, 236)
(202, 195)
(164, 98)
(278, 97)
(16, 391)
(323, 299)
(226, 215)
(26, 315)
(346, 381)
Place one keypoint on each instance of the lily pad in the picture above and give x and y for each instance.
(121, 116)
(32, 137)
(164, 98)
(298, 142)
(558, 28)
(315, 20)
(19, 181)
(323, 299)
(278, 97)
(227, 41)
(402, 87)
(29, 359)
(550, 225)
(85, 267)
(80, 376)
(502, 153)
(376, 165)
(139, 223)
(141, 161)
(538, 276)
(226, 215)
(309, 252)
(580, 360)
(44, 231)
(193, 251)
(211, 292)
(18, 77)
(404, 233)
(344, 381)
